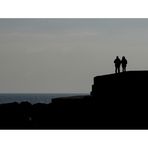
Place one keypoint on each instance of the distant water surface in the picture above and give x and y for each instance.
(33, 98)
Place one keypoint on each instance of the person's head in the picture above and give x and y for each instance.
(117, 57)
(123, 57)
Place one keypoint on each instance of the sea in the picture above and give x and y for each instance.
(34, 98)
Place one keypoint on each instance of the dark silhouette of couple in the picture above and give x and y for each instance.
(119, 62)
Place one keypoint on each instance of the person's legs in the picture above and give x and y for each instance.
(118, 69)
(115, 69)
(124, 68)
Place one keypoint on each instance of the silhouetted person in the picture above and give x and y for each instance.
(124, 64)
(117, 62)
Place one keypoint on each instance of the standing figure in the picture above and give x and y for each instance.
(124, 64)
(117, 62)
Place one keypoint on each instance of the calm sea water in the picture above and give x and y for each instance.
(32, 98)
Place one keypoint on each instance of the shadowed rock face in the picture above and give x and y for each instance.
(117, 101)
(126, 84)
(123, 96)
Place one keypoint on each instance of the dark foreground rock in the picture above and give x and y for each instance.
(117, 101)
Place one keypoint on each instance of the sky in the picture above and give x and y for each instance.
(64, 55)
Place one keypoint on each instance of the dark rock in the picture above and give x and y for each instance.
(117, 101)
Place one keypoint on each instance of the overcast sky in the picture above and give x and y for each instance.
(63, 55)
